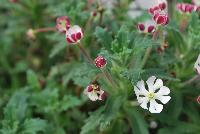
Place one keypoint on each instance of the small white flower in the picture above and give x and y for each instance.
(156, 91)
(94, 92)
(197, 65)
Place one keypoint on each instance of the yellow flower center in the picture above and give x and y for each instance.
(150, 95)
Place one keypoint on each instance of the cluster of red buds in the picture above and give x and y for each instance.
(159, 17)
(187, 8)
(94, 92)
(73, 33)
(145, 28)
(159, 14)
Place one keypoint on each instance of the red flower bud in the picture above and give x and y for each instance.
(94, 13)
(151, 29)
(62, 24)
(100, 62)
(162, 6)
(141, 27)
(90, 88)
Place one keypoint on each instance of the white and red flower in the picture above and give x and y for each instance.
(94, 92)
(187, 8)
(161, 19)
(197, 65)
(74, 34)
(100, 62)
(62, 24)
(156, 91)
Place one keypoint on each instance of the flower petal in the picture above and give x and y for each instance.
(164, 99)
(141, 87)
(163, 91)
(137, 91)
(93, 96)
(150, 83)
(197, 65)
(155, 107)
(158, 84)
(143, 102)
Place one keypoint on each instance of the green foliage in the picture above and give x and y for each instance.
(43, 78)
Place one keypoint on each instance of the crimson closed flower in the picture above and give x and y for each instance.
(100, 62)
(62, 24)
(161, 19)
(74, 34)
(141, 27)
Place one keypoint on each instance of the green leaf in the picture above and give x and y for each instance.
(16, 108)
(56, 49)
(158, 73)
(103, 37)
(112, 108)
(33, 79)
(69, 102)
(33, 126)
(138, 124)
(92, 122)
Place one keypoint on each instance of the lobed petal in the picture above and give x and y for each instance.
(164, 99)
(141, 87)
(163, 91)
(155, 107)
(93, 96)
(150, 83)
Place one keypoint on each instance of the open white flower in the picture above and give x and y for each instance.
(156, 91)
(197, 65)
(94, 92)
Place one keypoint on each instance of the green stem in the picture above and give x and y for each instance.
(85, 53)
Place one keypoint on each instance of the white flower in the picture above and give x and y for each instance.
(156, 91)
(94, 92)
(197, 65)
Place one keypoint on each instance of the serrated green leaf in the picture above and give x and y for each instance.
(34, 126)
(92, 122)
(32, 79)
(103, 37)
